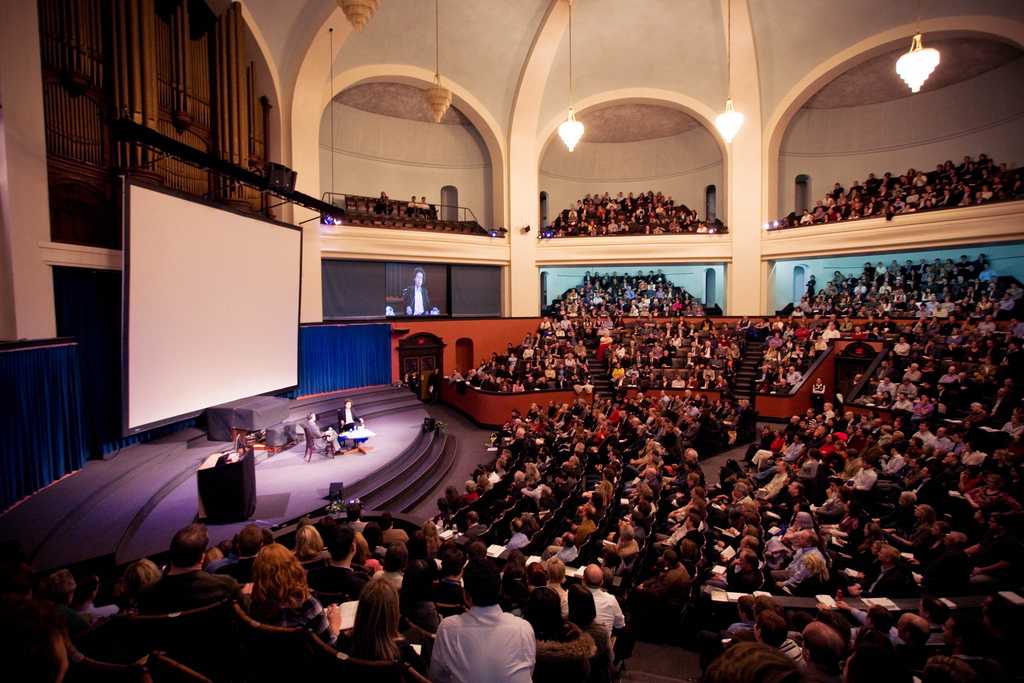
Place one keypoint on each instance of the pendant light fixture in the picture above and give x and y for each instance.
(358, 12)
(729, 121)
(439, 98)
(917, 65)
(571, 130)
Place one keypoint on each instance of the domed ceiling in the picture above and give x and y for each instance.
(632, 122)
(876, 81)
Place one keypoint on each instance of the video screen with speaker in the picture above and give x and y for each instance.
(211, 307)
(375, 289)
(416, 290)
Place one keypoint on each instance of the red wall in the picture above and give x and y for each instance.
(489, 335)
(493, 409)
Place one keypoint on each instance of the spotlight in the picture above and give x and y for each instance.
(494, 233)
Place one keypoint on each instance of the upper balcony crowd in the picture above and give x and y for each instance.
(650, 213)
(972, 182)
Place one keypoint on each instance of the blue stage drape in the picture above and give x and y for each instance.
(41, 419)
(333, 357)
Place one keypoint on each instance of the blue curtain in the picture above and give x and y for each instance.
(41, 419)
(333, 357)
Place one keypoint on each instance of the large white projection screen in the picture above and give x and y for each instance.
(211, 307)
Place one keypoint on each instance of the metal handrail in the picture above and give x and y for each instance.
(463, 214)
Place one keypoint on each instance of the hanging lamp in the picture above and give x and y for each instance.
(570, 130)
(358, 12)
(729, 121)
(439, 98)
(917, 65)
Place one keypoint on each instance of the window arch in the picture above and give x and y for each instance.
(799, 283)
(449, 203)
(543, 210)
(710, 286)
(802, 193)
(710, 203)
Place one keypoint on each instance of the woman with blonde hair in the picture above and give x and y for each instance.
(137, 578)
(375, 636)
(281, 597)
(309, 546)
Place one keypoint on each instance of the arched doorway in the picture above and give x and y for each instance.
(710, 203)
(802, 193)
(799, 283)
(449, 203)
(710, 285)
(463, 354)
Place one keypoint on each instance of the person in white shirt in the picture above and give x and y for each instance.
(609, 614)
(484, 643)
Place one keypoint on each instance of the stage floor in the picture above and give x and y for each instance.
(131, 505)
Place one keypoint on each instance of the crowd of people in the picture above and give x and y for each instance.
(414, 208)
(650, 213)
(626, 295)
(949, 185)
(939, 289)
(555, 357)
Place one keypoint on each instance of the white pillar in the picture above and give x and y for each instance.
(26, 282)
(744, 187)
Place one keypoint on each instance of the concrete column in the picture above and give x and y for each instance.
(745, 194)
(26, 282)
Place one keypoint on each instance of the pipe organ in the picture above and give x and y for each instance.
(170, 65)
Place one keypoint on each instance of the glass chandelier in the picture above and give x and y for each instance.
(729, 121)
(916, 66)
(571, 130)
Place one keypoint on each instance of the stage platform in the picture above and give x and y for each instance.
(129, 506)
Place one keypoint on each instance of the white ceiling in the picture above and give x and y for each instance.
(676, 45)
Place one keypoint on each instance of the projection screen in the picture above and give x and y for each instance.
(211, 307)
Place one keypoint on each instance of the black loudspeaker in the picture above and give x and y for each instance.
(429, 424)
(280, 177)
(336, 491)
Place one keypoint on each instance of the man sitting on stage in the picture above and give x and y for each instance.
(347, 418)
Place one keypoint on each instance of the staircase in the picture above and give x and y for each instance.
(599, 377)
(744, 383)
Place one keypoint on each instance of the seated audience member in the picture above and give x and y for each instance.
(35, 642)
(395, 560)
(823, 652)
(59, 589)
(339, 576)
(875, 661)
(391, 533)
(86, 589)
(247, 543)
(753, 663)
(375, 635)
(484, 644)
(138, 577)
(280, 595)
(416, 597)
(449, 588)
(309, 547)
(564, 650)
(609, 613)
(184, 584)
(583, 613)
(770, 628)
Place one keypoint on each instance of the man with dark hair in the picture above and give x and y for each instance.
(353, 515)
(485, 643)
(247, 543)
(449, 589)
(392, 534)
(772, 630)
(415, 298)
(339, 576)
(184, 584)
(395, 560)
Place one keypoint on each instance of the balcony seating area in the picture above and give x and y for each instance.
(375, 212)
(650, 213)
(972, 182)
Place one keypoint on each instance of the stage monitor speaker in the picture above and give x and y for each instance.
(336, 490)
(429, 424)
(280, 177)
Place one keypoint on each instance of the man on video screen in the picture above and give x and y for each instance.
(415, 297)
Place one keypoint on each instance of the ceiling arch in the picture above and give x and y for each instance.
(986, 27)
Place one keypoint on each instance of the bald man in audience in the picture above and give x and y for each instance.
(823, 652)
(609, 614)
(913, 630)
